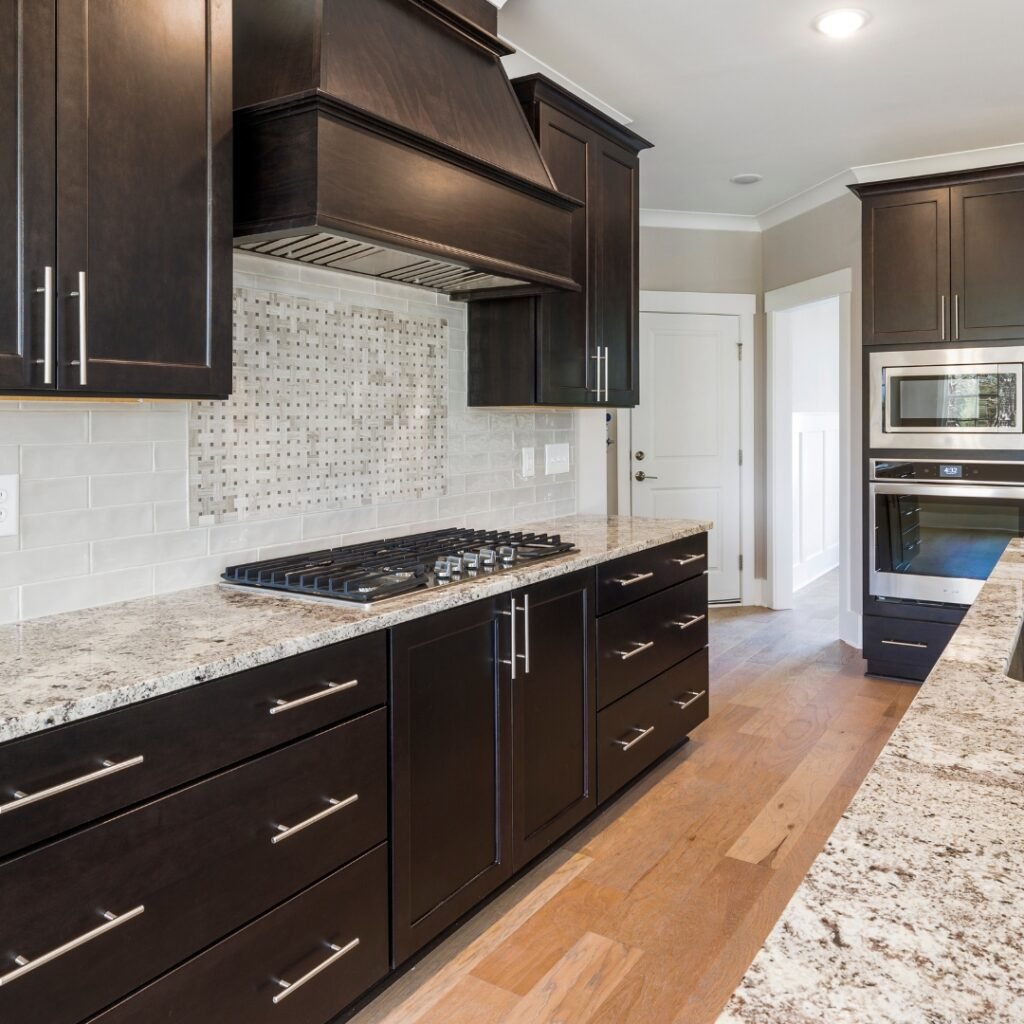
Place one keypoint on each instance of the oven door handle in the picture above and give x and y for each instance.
(946, 490)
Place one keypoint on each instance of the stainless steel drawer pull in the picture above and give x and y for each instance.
(47, 292)
(687, 560)
(287, 705)
(690, 620)
(109, 768)
(638, 578)
(285, 831)
(111, 921)
(642, 734)
(905, 643)
(694, 697)
(337, 952)
(638, 648)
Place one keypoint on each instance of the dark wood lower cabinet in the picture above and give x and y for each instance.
(451, 748)
(553, 714)
(237, 981)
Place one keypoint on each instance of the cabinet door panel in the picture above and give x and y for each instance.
(28, 231)
(615, 282)
(566, 369)
(906, 268)
(554, 714)
(144, 195)
(451, 770)
(988, 259)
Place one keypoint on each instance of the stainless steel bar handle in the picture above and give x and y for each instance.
(526, 631)
(690, 620)
(638, 578)
(286, 832)
(291, 986)
(639, 648)
(606, 373)
(942, 317)
(109, 768)
(688, 559)
(694, 697)
(956, 308)
(642, 734)
(83, 343)
(513, 656)
(112, 921)
(597, 390)
(287, 705)
(905, 643)
(47, 292)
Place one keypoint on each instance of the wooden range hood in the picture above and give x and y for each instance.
(383, 137)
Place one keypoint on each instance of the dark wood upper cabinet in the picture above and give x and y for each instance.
(120, 169)
(906, 267)
(451, 769)
(28, 227)
(987, 255)
(944, 258)
(553, 713)
(571, 348)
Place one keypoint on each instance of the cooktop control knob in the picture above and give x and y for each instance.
(487, 556)
(442, 570)
(507, 554)
(471, 559)
(455, 564)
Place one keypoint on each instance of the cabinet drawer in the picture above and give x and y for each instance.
(239, 978)
(168, 741)
(628, 579)
(904, 648)
(635, 731)
(643, 639)
(185, 870)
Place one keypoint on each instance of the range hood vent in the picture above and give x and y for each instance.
(382, 137)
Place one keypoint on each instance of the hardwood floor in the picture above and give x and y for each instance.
(652, 913)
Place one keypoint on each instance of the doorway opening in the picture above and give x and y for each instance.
(810, 441)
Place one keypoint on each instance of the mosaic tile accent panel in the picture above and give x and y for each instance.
(334, 405)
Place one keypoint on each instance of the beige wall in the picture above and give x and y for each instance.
(818, 242)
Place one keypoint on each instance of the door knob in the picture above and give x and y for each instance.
(639, 456)
(640, 476)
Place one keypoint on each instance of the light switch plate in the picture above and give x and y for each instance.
(556, 459)
(9, 506)
(529, 463)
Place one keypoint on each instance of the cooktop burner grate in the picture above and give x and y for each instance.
(377, 570)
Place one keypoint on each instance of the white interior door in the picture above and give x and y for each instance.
(686, 433)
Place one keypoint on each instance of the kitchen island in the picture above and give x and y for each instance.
(914, 911)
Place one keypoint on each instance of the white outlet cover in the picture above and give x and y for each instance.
(529, 462)
(556, 459)
(8, 506)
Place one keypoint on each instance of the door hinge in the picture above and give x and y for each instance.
(741, 563)
(739, 350)
(741, 456)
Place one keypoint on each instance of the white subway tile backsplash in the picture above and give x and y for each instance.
(133, 488)
(48, 460)
(105, 511)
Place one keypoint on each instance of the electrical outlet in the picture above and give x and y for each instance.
(556, 459)
(9, 506)
(529, 463)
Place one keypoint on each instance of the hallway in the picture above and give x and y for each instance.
(653, 911)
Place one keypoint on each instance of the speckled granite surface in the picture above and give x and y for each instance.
(66, 667)
(914, 911)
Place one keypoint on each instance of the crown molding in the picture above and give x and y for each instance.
(834, 188)
(698, 221)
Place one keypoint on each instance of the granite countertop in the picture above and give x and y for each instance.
(66, 667)
(914, 911)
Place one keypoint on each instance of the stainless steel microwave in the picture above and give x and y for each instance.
(947, 398)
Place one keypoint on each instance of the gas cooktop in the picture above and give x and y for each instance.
(364, 573)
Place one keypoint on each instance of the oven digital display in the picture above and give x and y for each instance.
(950, 472)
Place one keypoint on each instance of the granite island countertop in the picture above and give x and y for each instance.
(66, 667)
(914, 911)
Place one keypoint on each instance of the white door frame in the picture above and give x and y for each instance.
(721, 304)
(780, 469)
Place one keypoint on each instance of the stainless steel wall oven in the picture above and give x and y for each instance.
(947, 398)
(938, 528)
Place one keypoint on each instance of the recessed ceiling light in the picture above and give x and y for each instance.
(843, 22)
(746, 179)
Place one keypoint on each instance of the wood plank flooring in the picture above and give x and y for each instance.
(652, 913)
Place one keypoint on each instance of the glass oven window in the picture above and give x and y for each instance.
(941, 399)
(957, 538)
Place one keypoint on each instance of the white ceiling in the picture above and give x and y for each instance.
(728, 86)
